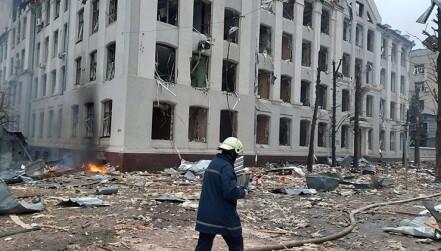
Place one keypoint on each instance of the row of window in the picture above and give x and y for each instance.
(111, 14)
(47, 126)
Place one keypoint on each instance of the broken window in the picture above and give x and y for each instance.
(285, 132)
(392, 141)
(358, 67)
(305, 93)
(403, 58)
(262, 130)
(78, 71)
(286, 47)
(110, 72)
(199, 71)
(383, 48)
(346, 62)
(393, 82)
(95, 16)
(35, 88)
(370, 40)
(322, 134)
(48, 12)
(92, 76)
(264, 84)
(57, 8)
(59, 122)
(89, 120)
(55, 48)
(325, 22)
(228, 124)
(265, 39)
(370, 139)
(383, 77)
(306, 53)
(421, 105)
(369, 72)
(322, 96)
(113, 11)
(382, 108)
(165, 63)
(392, 110)
(80, 25)
(323, 58)
(63, 79)
(229, 76)
(347, 30)
(54, 81)
(162, 121)
(359, 9)
(65, 37)
(369, 105)
(41, 127)
(418, 69)
(202, 16)
(359, 35)
(43, 85)
(288, 9)
(304, 132)
(307, 14)
(168, 11)
(345, 100)
(50, 124)
(344, 136)
(74, 122)
(107, 118)
(46, 49)
(402, 112)
(33, 122)
(393, 56)
(231, 26)
(285, 89)
(402, 85)
(197, 124)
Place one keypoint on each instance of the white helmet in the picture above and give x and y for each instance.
(231, 143)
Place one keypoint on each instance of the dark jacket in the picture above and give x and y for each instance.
(217, 206)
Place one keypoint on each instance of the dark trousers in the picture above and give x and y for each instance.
(205, 242)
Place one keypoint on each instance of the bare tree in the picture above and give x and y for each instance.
(310, 160)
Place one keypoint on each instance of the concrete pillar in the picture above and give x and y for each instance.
(185, 39)
(277, 50)
(297, 51)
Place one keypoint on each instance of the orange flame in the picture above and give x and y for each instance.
(95, 168)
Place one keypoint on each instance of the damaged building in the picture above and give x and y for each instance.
(141, 84)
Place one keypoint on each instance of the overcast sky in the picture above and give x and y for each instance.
(402, 15)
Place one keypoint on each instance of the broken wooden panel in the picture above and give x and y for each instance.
(346, 65)
(231, 20)
(168, 11)
(325, 22)
(228, 124)
(263, 89)
(286, 46)
(110, 71)
(229, 76)
(265, 39)
(285, 89)
(199, 71)
(307, 14)
(345, 100)
(165, 63)
(322, 134)
(202, 16)
(305, 92)
(344, 136)
(285, 132)
(107, 118)
(323, 58)
(197, 124)
(288, 9)
(322, 96)
(305, 128)
(262, 129)
(306, 53)
(162, 121)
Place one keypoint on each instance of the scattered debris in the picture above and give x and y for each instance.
(9, 205)
(85, 201)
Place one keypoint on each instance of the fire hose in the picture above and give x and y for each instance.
(347, 230)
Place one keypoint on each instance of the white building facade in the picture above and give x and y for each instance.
(141, 84)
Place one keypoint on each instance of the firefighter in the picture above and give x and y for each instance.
(217, 212)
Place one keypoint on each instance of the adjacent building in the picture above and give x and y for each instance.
(142, 84)
(423, 81)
